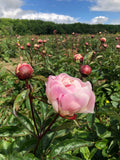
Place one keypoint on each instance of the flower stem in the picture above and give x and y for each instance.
(41, 135)
(32, 110)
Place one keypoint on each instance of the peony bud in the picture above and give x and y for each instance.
(22, 47)
(86, 43)
(40, 40)
(103, 40)
(104, 45)
(85, 70)
(78, 58)
(23, 71)
(92, 36)
(28, 45)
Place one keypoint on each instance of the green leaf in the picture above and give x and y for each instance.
(92, 153)
(19, 156)
(46, 141)
(30, 156)
(65, 125)
(4, 147)
(101, 144)
(13, 131)
(44, 110)
(23, 119)
(85, 152)
(102, 131)
(111, 112)
(40, 77)
(115, 97)
(19, 100)
(90, 119)
(87, 57)
(68, 145)
(2, 157)
(24, 144)
(115, 104)
(68, 157)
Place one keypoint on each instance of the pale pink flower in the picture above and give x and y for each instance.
(69, 95)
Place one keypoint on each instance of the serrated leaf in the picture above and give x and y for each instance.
(19, 100)
(68, 145)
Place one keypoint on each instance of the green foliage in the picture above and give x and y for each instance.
(30, 131)
(22, 27)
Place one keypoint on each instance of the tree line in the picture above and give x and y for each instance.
(37, 27)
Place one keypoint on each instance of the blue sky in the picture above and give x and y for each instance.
(63, 11)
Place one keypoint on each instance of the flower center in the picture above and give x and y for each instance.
(67, 81)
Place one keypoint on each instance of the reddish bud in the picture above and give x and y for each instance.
(32, 39)
(116, 38)
(44, 41)
(103, 40)
(86, 43)
(85, 70)
(22, 47)
(40, 41)
(105, 45)
(73, 33)
(54, 31)
(28, 45)
(92, 36)
(23, 71)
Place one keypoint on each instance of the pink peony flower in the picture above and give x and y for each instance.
(69, 95)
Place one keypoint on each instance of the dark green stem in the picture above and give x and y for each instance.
(41, 135)
(32, 110)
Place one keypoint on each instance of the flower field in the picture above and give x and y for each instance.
(60, 97)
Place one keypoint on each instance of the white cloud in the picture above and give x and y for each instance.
(115, 22)
(99, 20)
(12, 9)
(49, 17)
(12, 4)
(106, 5)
